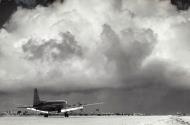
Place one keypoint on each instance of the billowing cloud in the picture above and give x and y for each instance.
(105, 43)
(66, 48)
(84, 45)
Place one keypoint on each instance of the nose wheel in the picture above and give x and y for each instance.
(46, 115)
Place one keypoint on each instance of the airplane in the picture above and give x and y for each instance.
(47, 107)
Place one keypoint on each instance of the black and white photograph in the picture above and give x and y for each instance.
(94, 62)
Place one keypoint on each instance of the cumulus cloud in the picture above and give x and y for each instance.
(62, 50)
(128, 51)
(97, 45)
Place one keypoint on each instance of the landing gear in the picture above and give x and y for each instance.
(59, 111)
(46, 115)
(66, 114)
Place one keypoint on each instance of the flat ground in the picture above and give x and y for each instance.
(97, 120)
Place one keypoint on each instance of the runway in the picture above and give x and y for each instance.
(97, 120)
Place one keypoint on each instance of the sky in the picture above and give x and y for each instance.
(131, 54)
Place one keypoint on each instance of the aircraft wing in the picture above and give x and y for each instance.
(79, 107)
(40, 111)
(71, 109)
(32, 109)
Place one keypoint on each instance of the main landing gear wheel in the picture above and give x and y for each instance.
(46, 115)
(66, 114)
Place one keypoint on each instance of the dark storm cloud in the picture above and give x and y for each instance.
(26, 2)
(155, 99)
(33, 3)
(67, 48)
(7, 8)
(152, 91)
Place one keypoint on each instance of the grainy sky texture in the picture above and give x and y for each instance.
(132, 54)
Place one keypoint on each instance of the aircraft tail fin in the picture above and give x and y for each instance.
(36, 100)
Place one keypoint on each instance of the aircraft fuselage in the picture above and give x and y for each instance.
(50, 106)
